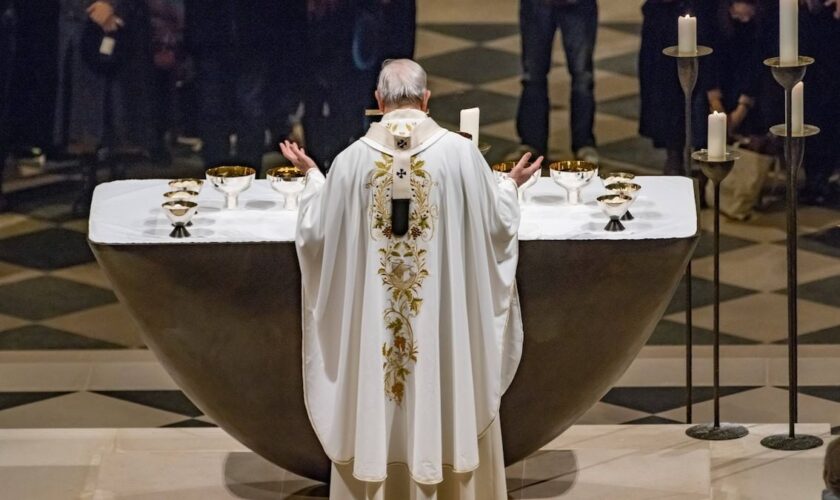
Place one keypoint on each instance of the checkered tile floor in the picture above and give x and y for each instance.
(70, 355)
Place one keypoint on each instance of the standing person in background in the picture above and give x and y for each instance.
(539, 21)
(231, 42)
(662, 116)
(100, 92)
(167, 22)
(820, 38)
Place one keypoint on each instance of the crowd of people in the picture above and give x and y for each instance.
(734, 80)
(235, 74)
(238, 74)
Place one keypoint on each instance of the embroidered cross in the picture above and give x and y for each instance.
(401, 173)
(402, 143)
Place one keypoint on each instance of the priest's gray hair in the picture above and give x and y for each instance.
(402, 82)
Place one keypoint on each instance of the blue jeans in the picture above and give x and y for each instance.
(578, 23)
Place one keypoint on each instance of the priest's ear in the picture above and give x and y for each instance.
(426, 96)
(379, 102)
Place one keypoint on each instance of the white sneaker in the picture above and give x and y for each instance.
(588, 154)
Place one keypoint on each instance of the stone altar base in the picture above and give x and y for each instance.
(586, 462)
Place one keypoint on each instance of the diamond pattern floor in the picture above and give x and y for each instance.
(68, 348)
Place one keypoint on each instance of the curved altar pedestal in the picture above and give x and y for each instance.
(224, 320)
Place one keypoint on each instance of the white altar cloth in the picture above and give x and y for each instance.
(129, 213)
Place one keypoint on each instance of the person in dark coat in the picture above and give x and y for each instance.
(103, 105)
(820, 39)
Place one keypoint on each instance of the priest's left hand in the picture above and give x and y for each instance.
(523, 171)
(297, 155)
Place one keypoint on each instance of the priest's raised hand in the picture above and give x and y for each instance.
(297, 155)
(523, 171)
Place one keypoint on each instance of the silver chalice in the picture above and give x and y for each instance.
(231, 181)
(573, 175)
(290, 181)
(501, 171)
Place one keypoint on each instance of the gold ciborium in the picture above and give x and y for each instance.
(573, 175)
(231, 181)
(288, 181)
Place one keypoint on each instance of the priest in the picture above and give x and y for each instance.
(412, 327)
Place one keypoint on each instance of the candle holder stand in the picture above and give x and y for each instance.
(716, 170)
(688, 66)
(788, 76)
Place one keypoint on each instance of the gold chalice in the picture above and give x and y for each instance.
(231, 181)
(290, 181)
(630, 189)
(614, 206)
(573, 175)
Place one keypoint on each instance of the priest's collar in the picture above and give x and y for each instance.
(402, 121)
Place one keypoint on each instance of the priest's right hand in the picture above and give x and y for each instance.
(297, 155)
(523, 171)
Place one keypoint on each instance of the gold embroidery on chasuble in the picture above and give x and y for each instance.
(402, 267)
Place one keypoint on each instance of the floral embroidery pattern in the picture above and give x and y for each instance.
(402, 267)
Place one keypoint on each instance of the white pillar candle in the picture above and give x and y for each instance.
(789, 32)
(687, 35)
(469, 122)
(798, 108)
(717, 136)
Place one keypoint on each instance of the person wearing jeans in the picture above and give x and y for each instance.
(577, 20)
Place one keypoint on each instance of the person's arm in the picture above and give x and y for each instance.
(310, 229)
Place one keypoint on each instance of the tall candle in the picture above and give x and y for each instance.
(687, 35)
(717, 136)
(798, 107)
(469, 122)
(788, 32)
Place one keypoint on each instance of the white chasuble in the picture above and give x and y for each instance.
(409, 341)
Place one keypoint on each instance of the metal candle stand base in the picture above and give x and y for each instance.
(180, 231)
(788, 76)
(687, 71)
(722, 432)
(798, 442)
(716, 170)
(614, 225)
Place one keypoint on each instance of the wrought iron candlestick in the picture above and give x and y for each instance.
(687, 70)
(788, 76)
(716, 170)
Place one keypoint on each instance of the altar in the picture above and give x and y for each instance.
(221, 308)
